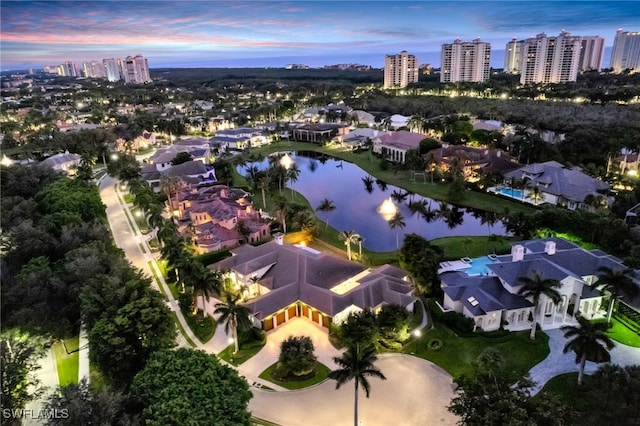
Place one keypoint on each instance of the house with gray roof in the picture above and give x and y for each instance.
(284, 281)
(238, 139)
(560, 185)
(491, 297)
(63, 162)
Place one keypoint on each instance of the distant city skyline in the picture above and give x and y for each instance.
(274, 33)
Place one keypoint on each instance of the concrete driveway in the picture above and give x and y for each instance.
(416, 392)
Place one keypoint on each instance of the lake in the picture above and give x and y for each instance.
(359, 204)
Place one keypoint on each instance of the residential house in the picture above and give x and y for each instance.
(194, 172)
(63, 162)
(488, 291)
(363, 117)
(395, 145)
(284, 281)
(359, 137)
(560, 185)
(318, 132)
(472, 162)
(210, 214)
(238, 139)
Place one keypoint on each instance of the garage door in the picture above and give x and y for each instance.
(315, 316)
(280, 318)
(305, 311)
(267, 324)
(326, 321)
(293, 312)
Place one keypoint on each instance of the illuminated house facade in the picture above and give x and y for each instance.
(490, 296)
(284, 281)
(210, 216)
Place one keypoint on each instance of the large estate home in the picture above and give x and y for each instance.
(211, 217)
(560, 185)
(284, 281)
(395, 145)
(486, 289)
(472, 161)
(238, 139)
(319, 132)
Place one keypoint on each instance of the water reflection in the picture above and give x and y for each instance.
(358, 202)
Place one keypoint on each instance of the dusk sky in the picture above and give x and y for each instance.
(274, 33)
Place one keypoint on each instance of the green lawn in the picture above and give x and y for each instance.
(203, 327)
(67, 364)
(456, 247)
(623, 334)
(181, 328)
(321, 375)
(242, 356)
(457, 353)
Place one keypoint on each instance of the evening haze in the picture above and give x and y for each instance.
(273, 33)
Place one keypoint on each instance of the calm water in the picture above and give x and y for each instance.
(357, 208)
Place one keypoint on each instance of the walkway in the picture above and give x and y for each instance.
(48, 376)
(557, 362)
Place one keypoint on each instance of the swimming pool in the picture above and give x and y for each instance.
(509, 192)
(479, 266)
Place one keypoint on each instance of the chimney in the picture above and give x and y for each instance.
(279, 238)
(517, 253)
(550, 248)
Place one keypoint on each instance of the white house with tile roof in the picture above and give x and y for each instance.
(490, 297)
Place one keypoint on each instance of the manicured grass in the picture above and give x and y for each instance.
(128, 198)
(67, 365)
(456, 248)
(457, 353)
(184, 333)
(623, 334)
(438, 191)
(203, 326)
(322, 373)
(242, 356)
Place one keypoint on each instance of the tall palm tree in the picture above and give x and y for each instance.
(202, 281)
(326, 206)
(535, 195)
(359, 240)
(397, 222)
(356, 364)
(169, 185)
(415, 123)
(348, 237)
(589, 342)
(282, 211)
(617, 282)
(292, 175)
(234, 316)
(535, 288)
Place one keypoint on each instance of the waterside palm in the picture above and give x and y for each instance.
(536, 287)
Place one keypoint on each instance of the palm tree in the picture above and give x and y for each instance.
(356, 365)
(203, 283)
(282, 210)
(536, 287)
(292, 174)
(589, 342)
(496, 239)
(348, 237)
(535, 195)
(359, 240)
(169, 185)
(397, 222)
(234, 316)
(415, 123)
(326, 206)
(616, 283)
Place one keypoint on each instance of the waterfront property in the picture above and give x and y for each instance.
(283, 281)
(488, 291)
(211, 217)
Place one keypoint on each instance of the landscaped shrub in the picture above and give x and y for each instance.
(252, 338)
(393, 322)
(297, 360)
(458, 323)
(213, 257)
(435, 345)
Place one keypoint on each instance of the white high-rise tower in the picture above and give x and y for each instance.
(551, 59)
(626, 51)
(465, 61)
(400, 70)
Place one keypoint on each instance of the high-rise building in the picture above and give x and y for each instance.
(591, 53)
(626, 51)
(93, 69)
(113, 68)
(136, 69)
(513, 56)
(400, 70)
(68, 69)
(550, 59)
(465, 61)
